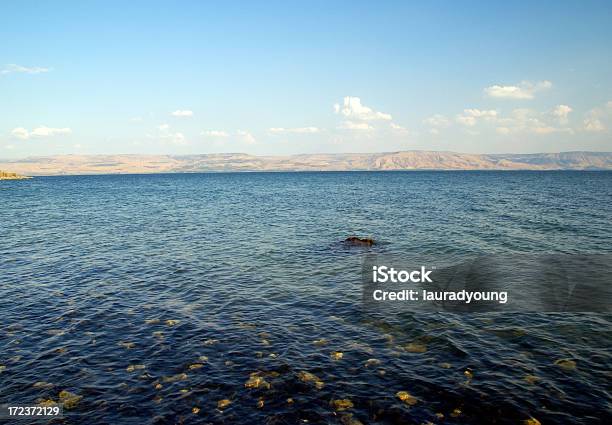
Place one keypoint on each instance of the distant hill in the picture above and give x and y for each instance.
(405, 160)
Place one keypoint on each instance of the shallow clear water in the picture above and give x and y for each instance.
(100, 273)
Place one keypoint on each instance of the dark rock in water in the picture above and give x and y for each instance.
(356, 241)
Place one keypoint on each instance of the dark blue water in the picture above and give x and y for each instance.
(149, 296)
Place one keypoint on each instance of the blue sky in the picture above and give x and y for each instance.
(304, 77)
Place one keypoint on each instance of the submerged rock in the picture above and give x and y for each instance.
(47, 402)
(372, 362)
(69, 400)
(175, 378)
(133, 367)
(337, 355)
(43, 384)
(416, 347)
(342, 404)
(222, 404)
(531, 421)
(357, 241)
(348, 419)
(407, 398)
(311, 378)
(256, 381)
(566, 364)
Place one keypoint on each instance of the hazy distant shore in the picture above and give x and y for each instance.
(232, 162)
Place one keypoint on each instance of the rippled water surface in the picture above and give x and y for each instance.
(154, 296)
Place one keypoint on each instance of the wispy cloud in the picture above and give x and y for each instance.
(215, 133)
(171, 137)
(523, 90)
(351, 125)
(594, 119)
(39, 132)
(245, 136)
(13, 68)
(298, 130)
(182, 113)
(470, 117)
(562, 112)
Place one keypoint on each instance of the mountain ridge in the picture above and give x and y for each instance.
(230, 162)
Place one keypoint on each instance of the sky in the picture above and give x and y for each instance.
(288, 77)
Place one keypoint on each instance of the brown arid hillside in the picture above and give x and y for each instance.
(405, 160)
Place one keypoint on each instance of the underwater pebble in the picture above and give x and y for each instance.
(152, 321)
(256, 381)
(531, 421)
(69, 400)
(566, 364)
(446, 365)
(347, 419)
(133, 367)
(222, 404)
(336, 355)
(372, 362)
(406, 397)
(195, 366)
(456, 413)
(195, 410)
(342, 404)
(171, 322)
(320, 342)
(43, 384)
(309, 377)
(175, 378)
(127, 345)
(531, 379)
(415, 347)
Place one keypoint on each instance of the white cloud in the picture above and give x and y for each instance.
(215, 133)
(351, 125)
(593, 124)
(182, 113)
(530, 121)
(20, 133)
(353, 109)
(598, 119)
(398, 128)
(14, 68)
(173, 138)
(524, 90)
(245, 137)
(561, 112)
(39, 132)
(298, 130)
(470, 117)
(437, 120)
